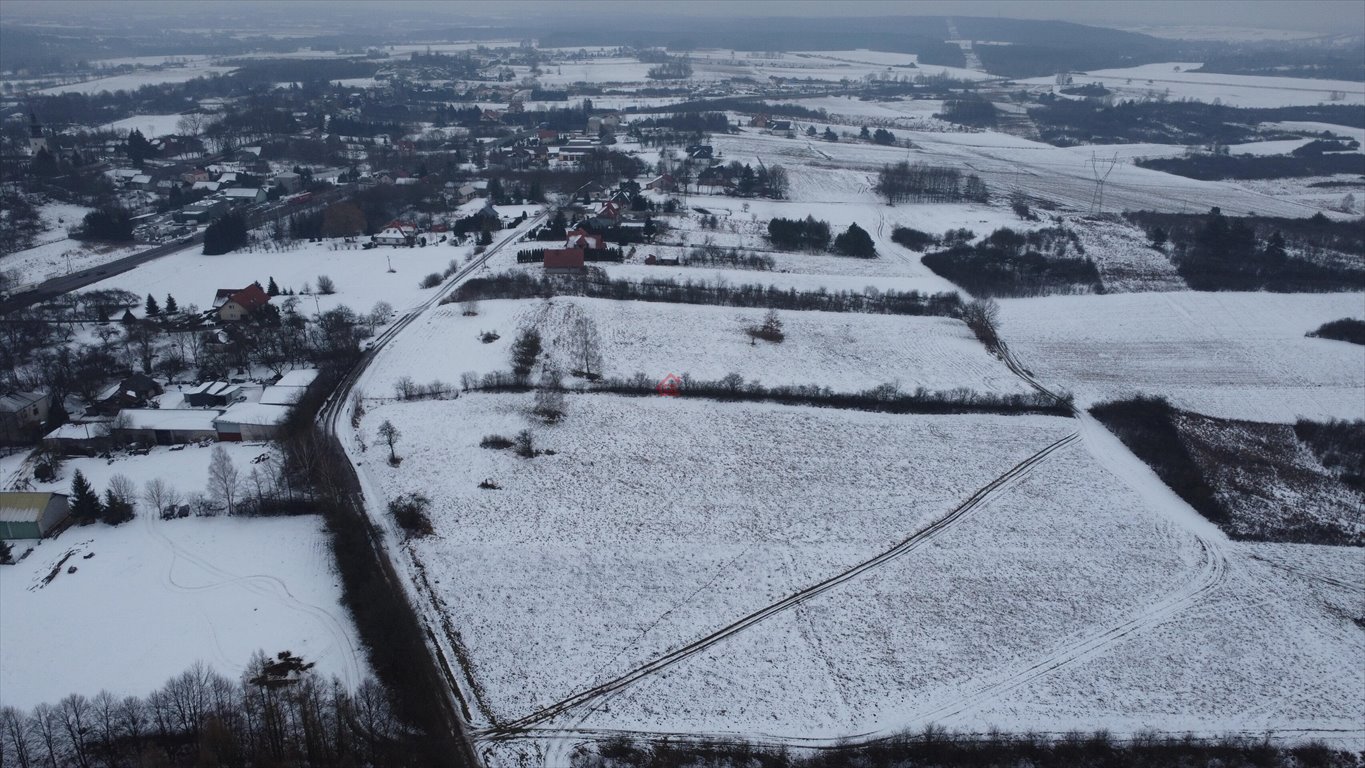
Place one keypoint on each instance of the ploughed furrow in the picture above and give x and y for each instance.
(517, 727)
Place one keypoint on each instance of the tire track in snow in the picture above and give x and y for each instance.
(1212, 572)
(263, 585)
(924, 536)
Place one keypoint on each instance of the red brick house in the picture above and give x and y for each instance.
(564, 261)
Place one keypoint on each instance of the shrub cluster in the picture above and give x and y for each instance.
(520, 285)
(887, 398)
(1012, 263)
(921, 182)
(1345, 329)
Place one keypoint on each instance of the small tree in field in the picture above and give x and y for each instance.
(525, 350)
(390, 434)
(224, 479)
(119, 500)
(325, 285)
(983, 317)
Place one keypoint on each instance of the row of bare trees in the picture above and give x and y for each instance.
(278, 713)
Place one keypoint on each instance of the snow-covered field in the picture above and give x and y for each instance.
(1176, 81)
(847, 352)
(151, 597)
(61, 257)
(134, 80)
(1234, 355)
(362, 277)
(845, 172)
(151, 126)
(634, 540)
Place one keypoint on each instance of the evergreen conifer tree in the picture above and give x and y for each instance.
(272, 289)
(85, 503)
(153, 309)
(171, 307)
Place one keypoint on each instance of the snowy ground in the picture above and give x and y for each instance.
(134, 80)
(361, 276)
(847, 352)
(1234, 355)
(1233, 90)
(61, 257)
(632, 541)
(151, 126)
(156, 596)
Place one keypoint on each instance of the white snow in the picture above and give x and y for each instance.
(1234, 355)
(1174, 80)
(847, 352)
(157, 596)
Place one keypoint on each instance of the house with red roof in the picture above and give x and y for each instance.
(234, 304)
(564, 261)
(581, 238)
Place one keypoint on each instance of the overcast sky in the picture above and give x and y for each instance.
(1329, 16)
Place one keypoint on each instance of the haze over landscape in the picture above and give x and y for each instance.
(608, 384)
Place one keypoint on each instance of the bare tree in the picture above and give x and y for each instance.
(224, 479)
(160, 495)
(192, 124)
(983, 317)
(15, 734)
(390, 434)
(585, 346)
(123, 489)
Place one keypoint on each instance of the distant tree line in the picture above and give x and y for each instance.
(521, 285)
(1346, 329)
(1213, 252)
(921, 182)
(1208, 167)
(278, 713)
(969, 110)
(935, 746)
(1067, 122)
(1018, 263)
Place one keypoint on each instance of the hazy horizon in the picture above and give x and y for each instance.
(1322, 16)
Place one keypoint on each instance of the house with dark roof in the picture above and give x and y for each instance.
(22, 414)
(132, 392)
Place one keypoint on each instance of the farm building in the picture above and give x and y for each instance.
(250, 421)
(132, 392)
(31, 515)
(168, 426)
(213, 394)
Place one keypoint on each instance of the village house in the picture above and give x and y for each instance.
(235, 304)
(564, 261)
(662, 183)
(580, 238)
(244, 195)
(21, 414)
(132, 392)
(396, 233)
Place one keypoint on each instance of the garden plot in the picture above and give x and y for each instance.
(658, 520)
(1234, 355)
(154, 597)
(361, 276)
(847, 352)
